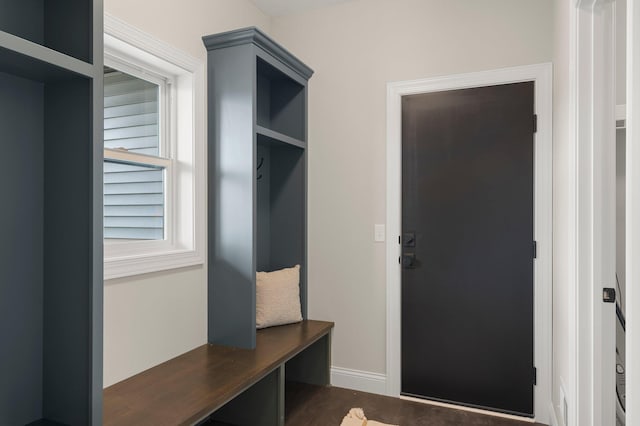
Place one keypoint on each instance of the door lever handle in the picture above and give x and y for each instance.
(408, 260)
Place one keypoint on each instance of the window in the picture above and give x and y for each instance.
(136, 151)
(153, 154)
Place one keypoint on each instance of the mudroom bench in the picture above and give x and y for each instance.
(214, 383)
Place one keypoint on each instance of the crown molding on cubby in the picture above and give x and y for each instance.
(256, 36)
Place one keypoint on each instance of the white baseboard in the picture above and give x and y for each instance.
(363, 381)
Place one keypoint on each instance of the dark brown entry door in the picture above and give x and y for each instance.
(467, 223)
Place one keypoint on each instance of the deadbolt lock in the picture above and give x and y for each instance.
(409, 239)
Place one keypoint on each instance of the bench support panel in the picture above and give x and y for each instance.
(260, 405)
(313, 365)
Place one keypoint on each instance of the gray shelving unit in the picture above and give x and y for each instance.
(51, 219)
(257, 175)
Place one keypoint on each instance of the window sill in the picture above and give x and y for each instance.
(147, 263)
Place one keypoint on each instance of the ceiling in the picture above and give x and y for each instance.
(285, 7)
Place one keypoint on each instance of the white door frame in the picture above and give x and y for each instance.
(593, 138)
(541, 75)
(633, 213)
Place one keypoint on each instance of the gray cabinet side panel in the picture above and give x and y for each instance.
(231, 190)
(68, 257)
(21, 223)
(304, 280)
(97, 287)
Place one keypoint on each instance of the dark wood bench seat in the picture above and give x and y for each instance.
(242, 386)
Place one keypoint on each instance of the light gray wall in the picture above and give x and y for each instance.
(356, 48)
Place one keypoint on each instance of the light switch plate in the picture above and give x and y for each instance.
(378, 232)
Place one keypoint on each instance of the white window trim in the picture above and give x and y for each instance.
(185, 242)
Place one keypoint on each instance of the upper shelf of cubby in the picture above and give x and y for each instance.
(260, 39)
(31, 60)
(272, 136)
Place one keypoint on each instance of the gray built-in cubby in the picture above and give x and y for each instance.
(50, 220)
(64, 26)
(257, 175)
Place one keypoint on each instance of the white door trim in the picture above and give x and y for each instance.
(633, 213)
(594, 133)
(541, 75)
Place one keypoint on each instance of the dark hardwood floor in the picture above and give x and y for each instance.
(308, 405)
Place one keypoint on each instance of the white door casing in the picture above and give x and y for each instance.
(541, 75)
(594, 137)
(633, 213)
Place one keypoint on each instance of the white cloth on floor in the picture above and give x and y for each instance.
(356, 417)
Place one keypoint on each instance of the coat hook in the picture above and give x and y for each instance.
(259, 166)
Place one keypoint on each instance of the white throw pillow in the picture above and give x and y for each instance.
(278, 297)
